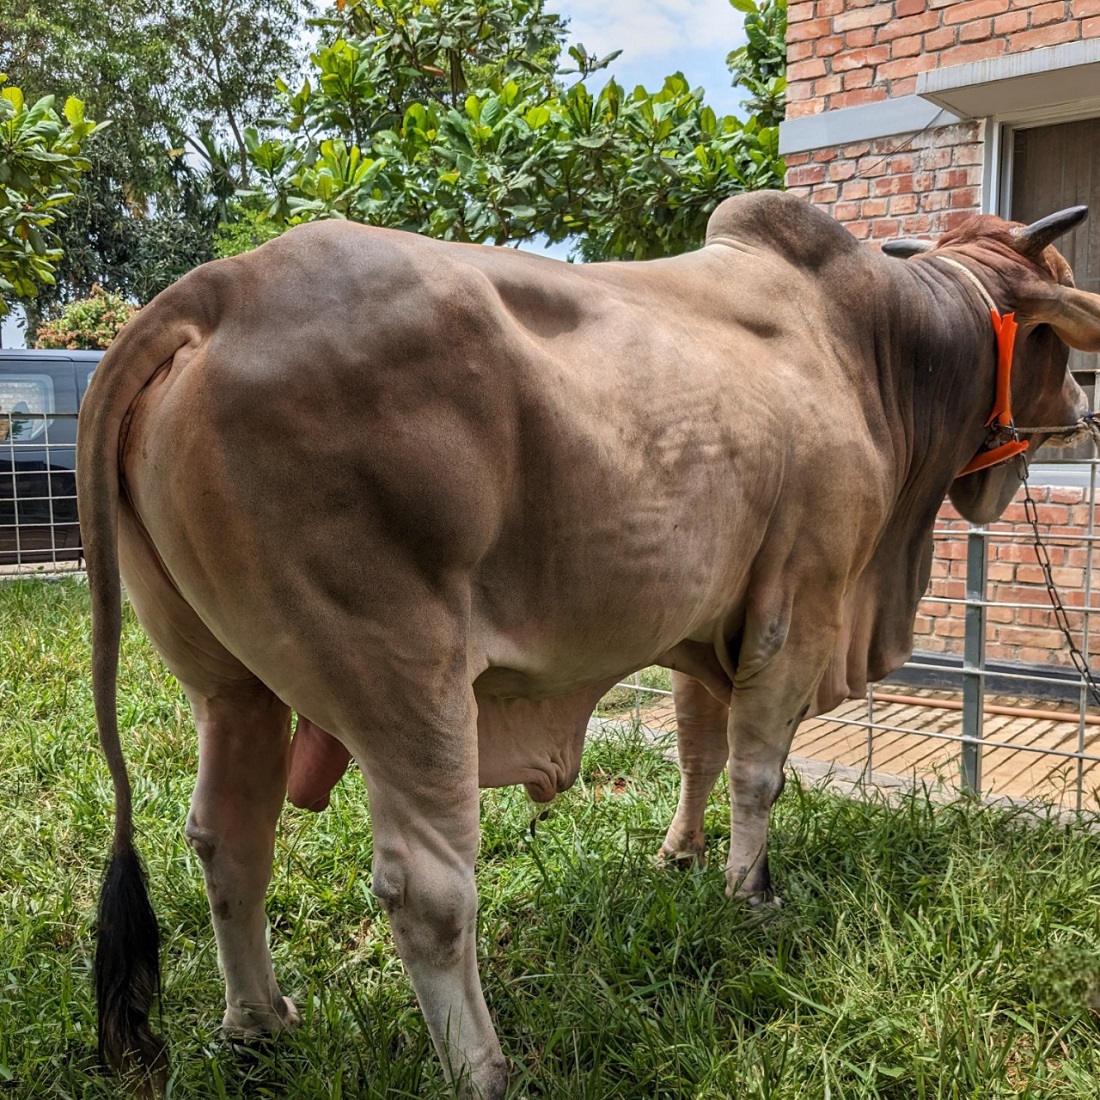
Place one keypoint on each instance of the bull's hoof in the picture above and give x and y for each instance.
(256, 1024)
(680, 859)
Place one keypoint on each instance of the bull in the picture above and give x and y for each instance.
(438, 498)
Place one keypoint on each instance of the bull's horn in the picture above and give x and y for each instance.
(1032, 239)
(906, 247)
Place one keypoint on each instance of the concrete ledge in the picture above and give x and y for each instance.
(904, 115)
(1049, 77)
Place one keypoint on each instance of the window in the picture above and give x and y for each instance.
(25, 402)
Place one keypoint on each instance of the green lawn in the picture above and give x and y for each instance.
(923, 951)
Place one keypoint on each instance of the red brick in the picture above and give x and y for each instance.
(903, 87)
(856, 189)
(914, 24)
(806, 70)
(794, 160)
(978, 31)
(859, 59)
(824, 156)
(859, 38)
(829, 7)
(828, 85)
(935, 158)
(858, 97)
(894, 185)
(906, 66)
(798, 11)
(859, 230)
(901, 205)
(826, 47)
(874, 208)
(1080, 8)
(974, 9)
(1048, 13)
(907, 47)
(810, 174)
(1051, 35)
(861, 78)
(842, 170)
(873, 16)
(1090, 28)
(799, 192)
(950, 178)
(1010, 23)
(799, 51)
(1066, 494)
(825, 194)
(909, 7)
(846, 211)
(802, 110)
(974, 51)
(934, 41)
(811, 29)
(916, 225)
(966, 155)
(886, 227)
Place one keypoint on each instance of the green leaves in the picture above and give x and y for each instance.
(40, 165)
(447, 119)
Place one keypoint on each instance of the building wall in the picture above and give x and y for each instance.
(850, 53)
(1016, 633)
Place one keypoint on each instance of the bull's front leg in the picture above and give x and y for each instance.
(702, 750)
(781, 662)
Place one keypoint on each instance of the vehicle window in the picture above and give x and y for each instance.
(25, 402)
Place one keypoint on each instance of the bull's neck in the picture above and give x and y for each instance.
(941, 365)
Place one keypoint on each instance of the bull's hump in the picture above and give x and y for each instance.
(783, 224)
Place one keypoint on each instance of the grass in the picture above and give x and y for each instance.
(924, 951)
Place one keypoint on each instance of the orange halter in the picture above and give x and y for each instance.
(1001, 416)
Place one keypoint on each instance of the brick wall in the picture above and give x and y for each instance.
(847, 53)
(1028, 633)
(909, 186)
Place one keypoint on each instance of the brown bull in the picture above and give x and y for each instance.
(439, 498)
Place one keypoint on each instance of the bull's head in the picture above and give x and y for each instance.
(1031, 278)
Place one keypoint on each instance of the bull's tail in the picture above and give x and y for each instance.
(127, 963)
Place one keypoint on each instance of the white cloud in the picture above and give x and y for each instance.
(659, 37)
(653, 28)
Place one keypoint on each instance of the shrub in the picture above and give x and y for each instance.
(88, 323)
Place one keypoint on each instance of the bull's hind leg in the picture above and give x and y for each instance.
(702, 748)
(422, 778)
(244, 751)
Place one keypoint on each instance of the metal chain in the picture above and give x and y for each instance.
(1031, 511)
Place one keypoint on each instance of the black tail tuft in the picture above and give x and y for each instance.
(127, 974)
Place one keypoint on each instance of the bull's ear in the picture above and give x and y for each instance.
(1073, 314)
(906, 247)
(1032, 239)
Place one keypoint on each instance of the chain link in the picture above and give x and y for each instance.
(1031, 511)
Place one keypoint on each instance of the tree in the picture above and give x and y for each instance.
(452, 119)
(88, 323)
(760, 66)
(40, 165)
(173, 75)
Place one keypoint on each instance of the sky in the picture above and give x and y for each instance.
(657, 37)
